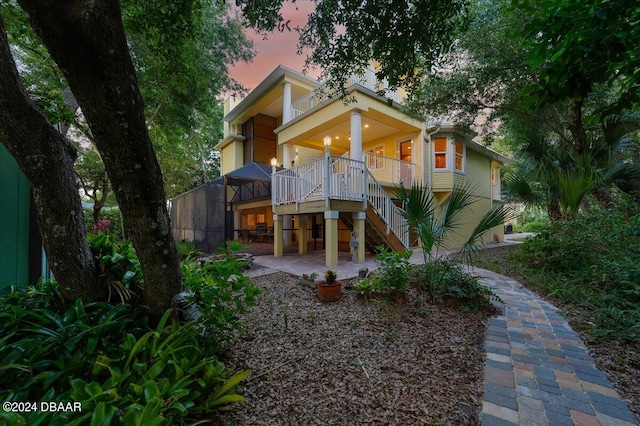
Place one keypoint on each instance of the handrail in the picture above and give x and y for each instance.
(388, 212)
(335, 178)
(339, 178)
(322, 94)
(388, 169)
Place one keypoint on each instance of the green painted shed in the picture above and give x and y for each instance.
(21, 255)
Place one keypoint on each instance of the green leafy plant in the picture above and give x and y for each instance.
(105, 357)
(393, 269)
(310, 277)
(120, 270)
(221, 294)
(435, 223)
(368, 287)
(330, 276)
(457, 284)
(186, 249)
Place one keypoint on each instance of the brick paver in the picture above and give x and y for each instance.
(538, 371)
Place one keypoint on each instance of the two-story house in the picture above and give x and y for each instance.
(340, 159)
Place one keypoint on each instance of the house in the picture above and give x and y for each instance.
(22, 259)
(340, 158)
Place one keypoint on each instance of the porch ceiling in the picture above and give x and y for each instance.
(375, 125)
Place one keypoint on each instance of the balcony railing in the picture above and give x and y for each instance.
(321, 94)
(338, 178)
(391, 170)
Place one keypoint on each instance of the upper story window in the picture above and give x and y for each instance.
(440, 152)
(448, 156)
(459, 156)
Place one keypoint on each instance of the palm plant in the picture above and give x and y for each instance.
(435, 223)
(561, 176)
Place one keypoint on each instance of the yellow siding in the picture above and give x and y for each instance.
(231, 157)
(442, 181)
(478, 174)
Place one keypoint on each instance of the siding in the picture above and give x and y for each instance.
(14, 223)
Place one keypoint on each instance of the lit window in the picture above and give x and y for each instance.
(440, 150)
(459, 156)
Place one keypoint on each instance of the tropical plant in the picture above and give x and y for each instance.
(106, 358)
(420, 208)
(120, 270)
(220, 293)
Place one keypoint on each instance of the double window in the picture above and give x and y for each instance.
(447, 154)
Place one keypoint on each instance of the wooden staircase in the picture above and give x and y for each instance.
(375, 231)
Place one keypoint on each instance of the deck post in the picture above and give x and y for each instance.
(278, 240)
(331, 235)
(302, 233)
(359, 219)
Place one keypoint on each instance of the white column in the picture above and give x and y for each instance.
(286, 103)
(355, 147)
(286, 156)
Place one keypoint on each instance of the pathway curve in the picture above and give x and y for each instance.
(538, 371)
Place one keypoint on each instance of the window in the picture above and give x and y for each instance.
(405, 150)
(376, 161)
(440, 152)
(459, 156)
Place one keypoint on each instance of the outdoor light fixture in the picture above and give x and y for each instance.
(327, 141)
(274, 162)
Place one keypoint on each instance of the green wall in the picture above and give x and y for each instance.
(14, 223)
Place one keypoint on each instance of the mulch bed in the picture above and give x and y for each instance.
(357, 362)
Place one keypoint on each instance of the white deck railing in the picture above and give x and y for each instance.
(387, 169)
(387, 210)
(322, 94)
(338, 178)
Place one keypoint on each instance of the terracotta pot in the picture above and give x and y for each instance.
(329, 292)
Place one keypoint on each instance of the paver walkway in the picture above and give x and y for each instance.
(538, 371)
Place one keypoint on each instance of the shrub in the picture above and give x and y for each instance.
(393, 271)
(453, 283)
(105, 357)
(221, 294)
(593, 262)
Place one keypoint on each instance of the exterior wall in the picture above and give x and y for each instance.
(231, 157)
(14, 223)
(478, 173)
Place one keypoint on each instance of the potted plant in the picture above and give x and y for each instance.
(308, 280)
(329, 289)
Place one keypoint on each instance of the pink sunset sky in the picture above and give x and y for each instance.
(280, 48)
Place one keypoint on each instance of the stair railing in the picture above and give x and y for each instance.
(387, 210)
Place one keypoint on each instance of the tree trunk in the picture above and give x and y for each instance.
(575, 125)
(87, 41)
(46, 158)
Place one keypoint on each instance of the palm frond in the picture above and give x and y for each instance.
(518, 187)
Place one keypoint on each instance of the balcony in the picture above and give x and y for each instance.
(321, 94)
(390, 170)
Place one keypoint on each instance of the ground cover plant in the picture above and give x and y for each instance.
(107, 357)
